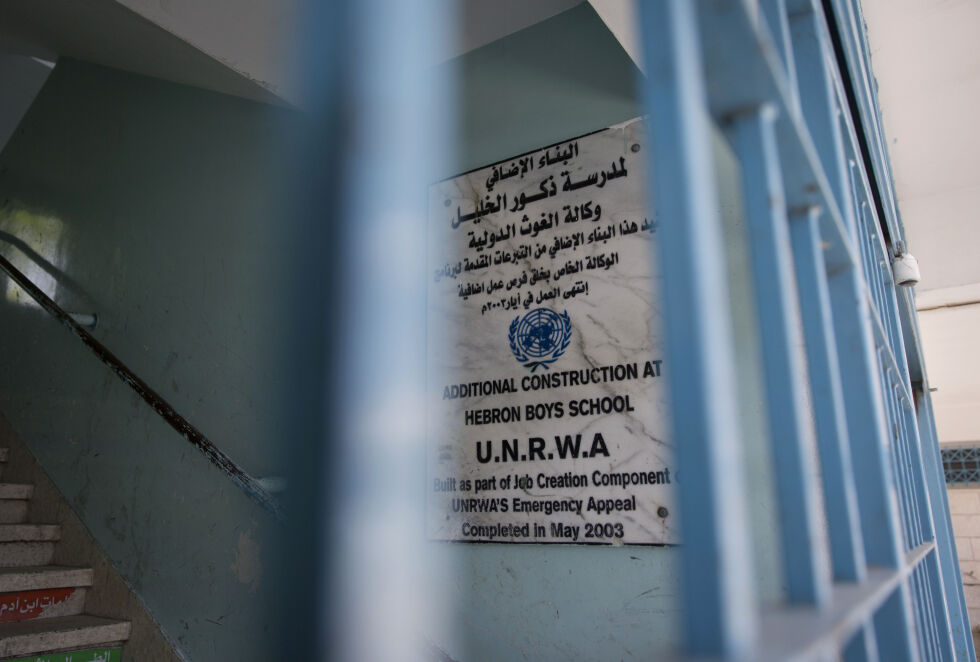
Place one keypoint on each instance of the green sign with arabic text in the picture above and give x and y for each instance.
(92, 655)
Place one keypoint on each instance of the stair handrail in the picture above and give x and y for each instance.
(249, 484)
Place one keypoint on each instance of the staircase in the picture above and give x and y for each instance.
(42, 606)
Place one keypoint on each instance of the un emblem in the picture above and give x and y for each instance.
(540, 337)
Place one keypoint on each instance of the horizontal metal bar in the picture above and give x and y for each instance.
(797, 633)
(215, 455)
(809, 633)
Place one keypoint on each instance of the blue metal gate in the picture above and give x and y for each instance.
(870, 569)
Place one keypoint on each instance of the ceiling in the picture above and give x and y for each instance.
(240, 47)
(925, 57)
(108, 33)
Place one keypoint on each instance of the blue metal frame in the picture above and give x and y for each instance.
(867, 547)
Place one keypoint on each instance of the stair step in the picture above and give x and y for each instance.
(13, 511)
(60, 633)
(16, 491)
(33, 578)
(21, 554)
(42, 592)
(29, 532)
(44, 603)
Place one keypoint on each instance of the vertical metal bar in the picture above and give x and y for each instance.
(858, 205)
(866, 429)
(804, 546)
(850, 24)
(916, 465)
(720, 613)
(894, 632)
(937, 595)
(389, 128)
(890, 313)
(865, 418)
(923, 613)
(891, 302)
(891, 456)
(879, 513)
(818, 100)
(872, 260)
(899, 461)
(862, 647)
(888, 306)
(875, 279)
(934, 618)
(846, 545)
(947, 559)
(778, 20)
(936, 621)
(931, 638)
(904, 459)
(914, 469)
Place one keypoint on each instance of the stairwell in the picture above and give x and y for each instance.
(42, 606)
(61, 600)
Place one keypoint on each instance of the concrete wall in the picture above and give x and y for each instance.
(156, 206)
(20, 79)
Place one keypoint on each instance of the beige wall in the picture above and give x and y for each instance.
(964, 505)
(950, 338)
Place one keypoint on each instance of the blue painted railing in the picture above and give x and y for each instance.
(870, 569)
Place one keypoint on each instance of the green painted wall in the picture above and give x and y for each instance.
(159, 205)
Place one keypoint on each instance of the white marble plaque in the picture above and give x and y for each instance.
(546, 371)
